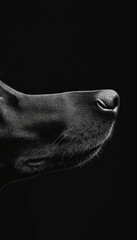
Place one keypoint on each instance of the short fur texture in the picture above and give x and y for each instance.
(40, 133)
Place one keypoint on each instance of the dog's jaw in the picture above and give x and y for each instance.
(52, 132)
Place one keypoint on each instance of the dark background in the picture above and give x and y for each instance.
(62, 47)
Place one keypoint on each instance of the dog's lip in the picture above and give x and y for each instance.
(90, 153)
(34, 162)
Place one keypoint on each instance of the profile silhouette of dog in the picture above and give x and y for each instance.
(41, 133)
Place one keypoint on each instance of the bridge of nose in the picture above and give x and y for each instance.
(106, 95)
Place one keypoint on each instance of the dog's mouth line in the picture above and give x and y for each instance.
(39, 162)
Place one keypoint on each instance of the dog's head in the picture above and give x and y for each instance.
(40, 133)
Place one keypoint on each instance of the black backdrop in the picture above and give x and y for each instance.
(62, 47)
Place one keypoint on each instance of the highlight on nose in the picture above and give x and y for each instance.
(108, 101)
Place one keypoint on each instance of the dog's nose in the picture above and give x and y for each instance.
(108, 101)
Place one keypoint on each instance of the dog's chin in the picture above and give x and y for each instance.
(89, 155)
(56, 163)
(82, 158)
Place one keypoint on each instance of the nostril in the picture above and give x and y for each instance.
(108, 100)
(101, 104)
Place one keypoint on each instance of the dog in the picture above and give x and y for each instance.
(41, 133)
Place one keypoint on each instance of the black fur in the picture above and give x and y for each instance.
(40, 133)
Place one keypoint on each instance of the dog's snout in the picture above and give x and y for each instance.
(108, 101)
